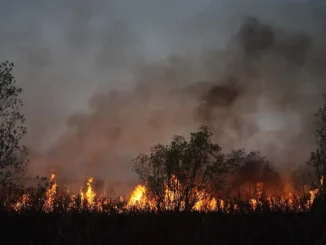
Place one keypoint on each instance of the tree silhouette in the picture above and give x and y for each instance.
(13, 156)
(252, 168)
(318, 162)
(318, 158)
(189, 169)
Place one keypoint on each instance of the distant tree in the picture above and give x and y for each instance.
(318, 161)
(318, 158)
(251, 168)
(13, 155)
(188, 169)
(303, 177)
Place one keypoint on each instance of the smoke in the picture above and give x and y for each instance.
(104, 82)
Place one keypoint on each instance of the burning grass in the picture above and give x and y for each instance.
(54, 215)
(53, 198)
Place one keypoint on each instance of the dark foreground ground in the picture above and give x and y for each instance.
(166, 228)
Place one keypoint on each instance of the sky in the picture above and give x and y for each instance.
(68, 52)
(57, 45)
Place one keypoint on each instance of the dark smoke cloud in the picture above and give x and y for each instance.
(255, 80)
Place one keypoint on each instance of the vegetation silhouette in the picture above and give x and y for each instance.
(13, 155)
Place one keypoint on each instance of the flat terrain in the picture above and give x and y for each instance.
(164, 228)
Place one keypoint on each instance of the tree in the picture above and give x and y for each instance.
(303, 177)
(318, 158)
(252, 168)
(13, 156)
(180, 174)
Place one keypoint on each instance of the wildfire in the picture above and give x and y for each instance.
(50, 194)
(89, 195)
(23, 202)
(139, 199)
(206, 205)
(253, 203)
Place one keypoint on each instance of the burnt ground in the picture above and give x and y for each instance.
(164, 228)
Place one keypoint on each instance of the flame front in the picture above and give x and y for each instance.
(140, 200)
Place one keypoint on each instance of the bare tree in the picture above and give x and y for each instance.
(13, 156)
(182, 173)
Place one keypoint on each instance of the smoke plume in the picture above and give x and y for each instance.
(256, 81)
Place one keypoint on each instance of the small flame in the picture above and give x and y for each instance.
(89, 195)
(50, 194)
(322, 181)
(253, 203)
(21, 203)
(222, 204)
(138, 197)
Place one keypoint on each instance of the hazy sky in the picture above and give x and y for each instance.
(66, 50)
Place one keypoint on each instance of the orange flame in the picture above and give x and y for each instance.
(138, 197)
(50, 194)
(140, 200)
(89, 195)
(21, 203)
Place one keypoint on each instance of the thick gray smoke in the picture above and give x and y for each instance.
(254, 77)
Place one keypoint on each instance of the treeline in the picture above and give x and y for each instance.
(198, 168)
